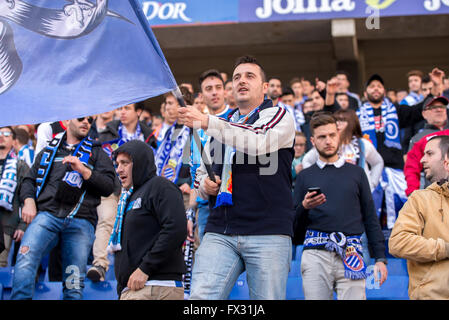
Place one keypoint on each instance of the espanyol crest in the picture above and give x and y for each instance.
(353, 260)
(169, 170)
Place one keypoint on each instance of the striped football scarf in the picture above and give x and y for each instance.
(224, 197)
(8, 182)
(349, 248)
(115, 239)
(390, 120)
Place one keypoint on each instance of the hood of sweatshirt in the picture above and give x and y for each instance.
(142, 156)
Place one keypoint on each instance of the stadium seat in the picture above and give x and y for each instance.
(6, 275)
(294, 252)
(110, 275)
(240, 290)
(105, 290)
(11, 253)
(1, 291)
(395, 288)
(298, 252)
(294, 288)
(295, 269)
(397, 267)
(48, 291)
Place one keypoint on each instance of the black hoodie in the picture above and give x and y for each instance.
(155, 228)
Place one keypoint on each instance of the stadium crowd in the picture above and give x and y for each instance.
(186, 199)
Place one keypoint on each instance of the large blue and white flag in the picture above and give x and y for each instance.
(63, 59)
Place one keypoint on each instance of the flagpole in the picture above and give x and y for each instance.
(178, 95)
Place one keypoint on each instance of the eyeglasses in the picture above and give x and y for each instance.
(89, 119)
(435, 107)
(5, 133)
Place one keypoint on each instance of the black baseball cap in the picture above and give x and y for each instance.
(375, 77)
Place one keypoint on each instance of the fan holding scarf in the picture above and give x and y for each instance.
(60, 194)
(12, 172)
(381, 122)
(250, 224)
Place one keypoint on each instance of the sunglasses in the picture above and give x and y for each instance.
(89, 119)
(5, 133)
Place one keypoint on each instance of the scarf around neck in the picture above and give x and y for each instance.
(390, 124)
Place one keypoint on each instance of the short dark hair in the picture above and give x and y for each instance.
(287, 91)
(294, 80)
(341, 94)
(139, 106)
(21, 135)
(416, 73)
(274, 78)
(186, 94)
(251, 60)
(346, 74)
(12, 131)
(321, 118)
(443, 145)
(307, 80)
(210, 73)
(426, 79)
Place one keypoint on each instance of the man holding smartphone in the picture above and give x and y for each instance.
(334, 207)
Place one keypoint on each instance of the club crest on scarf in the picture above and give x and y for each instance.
(110, 146)
(349, 248)
(353, 261)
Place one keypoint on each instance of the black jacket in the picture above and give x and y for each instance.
(11, 219)
(155, 227)
(111, 133)
(101, 183)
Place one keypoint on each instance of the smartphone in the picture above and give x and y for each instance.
(317, 189)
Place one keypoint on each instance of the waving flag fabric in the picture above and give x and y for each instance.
(63, 59)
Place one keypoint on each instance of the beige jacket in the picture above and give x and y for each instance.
(421, 235)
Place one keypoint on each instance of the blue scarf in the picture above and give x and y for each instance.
(8, 182)
(168, 157)
(224, 197)
(72, 178)
(110, 146)
(26, 153)
(390, 120)
(116, 236)
(349, 248)
(82, 152)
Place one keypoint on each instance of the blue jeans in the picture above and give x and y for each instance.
(203, 214)
(76, 236)
(221, 259)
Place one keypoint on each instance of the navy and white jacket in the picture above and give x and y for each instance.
(261, 173)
